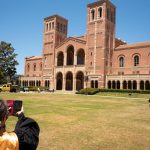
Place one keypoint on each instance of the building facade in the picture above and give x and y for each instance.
(97, 59)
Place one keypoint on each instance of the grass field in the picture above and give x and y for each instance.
(78, 122)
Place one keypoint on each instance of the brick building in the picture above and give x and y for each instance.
(97, 59)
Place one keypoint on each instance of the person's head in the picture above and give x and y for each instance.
(3, 113)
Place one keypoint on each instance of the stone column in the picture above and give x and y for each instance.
(65, 58)
(75, 60)
(138, 85)
(64, 84)
(74, 83)
(55, 61)
(121, 85)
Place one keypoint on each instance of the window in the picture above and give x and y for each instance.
(52, 25)
(34, 67)
(47, 27)
(136, 60)
(80, 57)
(100, 12)
(61, 28)
(40, 66)
(57, 26)
(92, 84)
(121, 62)
(64, 29)
(96, 84)
(28, 67)
(108, 14)
(93, 14)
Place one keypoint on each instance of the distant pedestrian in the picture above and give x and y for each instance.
(38, 90)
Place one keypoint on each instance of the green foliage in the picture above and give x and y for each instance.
(125, 91)
(88, 91)
(8, 62)
(32, 88)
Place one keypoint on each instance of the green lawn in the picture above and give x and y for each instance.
(79, 122)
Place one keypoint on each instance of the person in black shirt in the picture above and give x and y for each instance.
(25, 135)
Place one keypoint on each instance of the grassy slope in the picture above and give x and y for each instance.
(75, 122)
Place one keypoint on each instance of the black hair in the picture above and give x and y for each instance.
(3, 111)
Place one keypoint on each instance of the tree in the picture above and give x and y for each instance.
(8, 62)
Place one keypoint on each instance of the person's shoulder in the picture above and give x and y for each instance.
(9, 135)
(11, 138)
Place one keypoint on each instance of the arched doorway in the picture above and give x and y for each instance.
(80, 57)
(129, 85)
(47, 83)
(92, 84)
(147, 85)
(60, 59)
(118, 84)
(70, 55)
(109, 84)
(79, 81)
(124, 84)
(142, 85)
(96, 83)
(69, 81)
(134, 85)
(113, 85)
(59, 81)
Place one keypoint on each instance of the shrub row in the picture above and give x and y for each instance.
(92, 91)
(125, 91)
(32, 88)
(88, 91)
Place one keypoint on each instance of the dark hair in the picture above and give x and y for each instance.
(3, 111)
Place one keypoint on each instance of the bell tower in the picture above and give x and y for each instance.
(100, 41)
(55, 31)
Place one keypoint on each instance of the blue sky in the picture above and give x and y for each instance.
(21, 22)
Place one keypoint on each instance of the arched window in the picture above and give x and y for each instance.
(121, 62)
(136, 60)
(50, 26)
(41, 66)
(64, 29)
(92, 84)
(34, 67)
(61, 27)
(60, 59)
(80, 57)
(96, 84)
(28, 67)
(100, 12)
(58, 28)
(93, 14)
(108, 13)
(46, 27)
(70, 55)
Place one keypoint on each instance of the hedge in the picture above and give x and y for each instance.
(125, 91)
(88, 91)
(92, 91)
